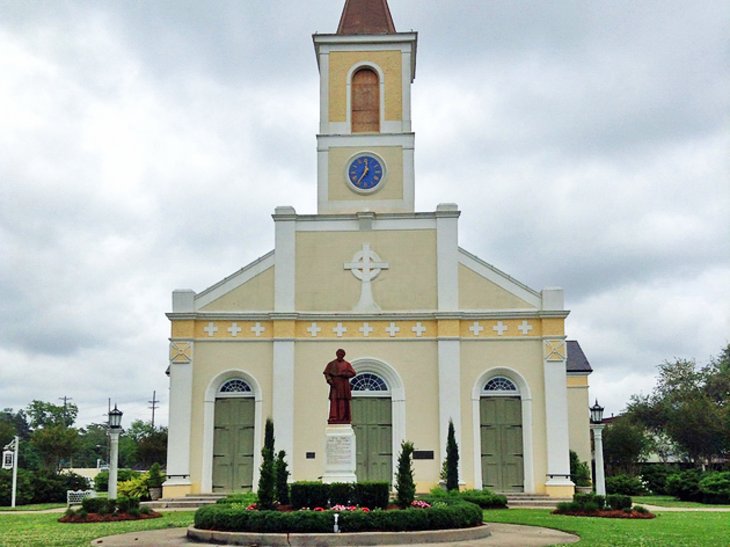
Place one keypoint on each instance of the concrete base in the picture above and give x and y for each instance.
(560, 489)
(176, 489)
(340, 454)
(363, 538)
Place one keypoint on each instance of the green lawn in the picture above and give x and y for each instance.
(33, 507)
(669, 501)
(44, 529)
(675, 529)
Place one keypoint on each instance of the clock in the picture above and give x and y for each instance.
(366, 172)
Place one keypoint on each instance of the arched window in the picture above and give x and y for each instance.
(368, 382)
(365, 101)
(235, 388)
(499, 385)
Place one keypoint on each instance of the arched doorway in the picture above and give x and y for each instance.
(233, 437)
(372, 421)
(500, 423)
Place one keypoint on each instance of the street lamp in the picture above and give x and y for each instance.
(597, 426)
(115, 428)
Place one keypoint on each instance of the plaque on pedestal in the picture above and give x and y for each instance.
(340, 454)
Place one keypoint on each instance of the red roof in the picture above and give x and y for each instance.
(366, 17)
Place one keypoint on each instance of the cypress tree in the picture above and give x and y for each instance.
(452, 460)
(282, 479)
(267, 480)
(405, 486)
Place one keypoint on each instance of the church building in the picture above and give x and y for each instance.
(434, 333)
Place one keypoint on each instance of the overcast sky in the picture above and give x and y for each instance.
(144, 146)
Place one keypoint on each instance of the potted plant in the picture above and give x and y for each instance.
(154, 481)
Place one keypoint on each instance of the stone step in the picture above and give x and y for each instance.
(533, 500)
(191, 501)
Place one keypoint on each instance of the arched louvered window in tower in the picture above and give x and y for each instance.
(367, 381)
(235, 387)
(500, 385)
(365, 101)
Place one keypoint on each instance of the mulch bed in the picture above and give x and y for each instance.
(96, 517)
(610, 514)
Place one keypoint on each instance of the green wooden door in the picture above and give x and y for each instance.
(501, 437)
(372, 422)
(233, 445)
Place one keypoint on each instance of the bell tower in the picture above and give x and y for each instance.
(365, 144)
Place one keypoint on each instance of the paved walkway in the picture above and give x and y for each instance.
(504, 535)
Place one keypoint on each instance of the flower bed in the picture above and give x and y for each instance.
(116, 517)
(106, 510)
(442, 516)
(612, 506)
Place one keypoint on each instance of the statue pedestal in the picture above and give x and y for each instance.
(340, 454)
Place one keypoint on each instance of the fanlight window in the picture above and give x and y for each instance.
(500, 386)
(367, 381)
(235, 387)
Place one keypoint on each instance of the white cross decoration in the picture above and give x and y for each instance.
(258, 328)
(499, 328)
(525, 328)
(313, 329)
(366, 265)
(392, 329)
(339, 330)
(419, 329)
(476, 328)
(234, 329)
(210, 328)
(366, 329)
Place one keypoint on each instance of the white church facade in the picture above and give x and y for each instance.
(434, 333)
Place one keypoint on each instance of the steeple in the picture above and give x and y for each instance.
(366, 17)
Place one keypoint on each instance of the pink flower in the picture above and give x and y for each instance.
(251, 507)
(418, 504)
(364, 509)
(319, 509)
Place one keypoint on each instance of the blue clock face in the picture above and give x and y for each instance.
(365, 172)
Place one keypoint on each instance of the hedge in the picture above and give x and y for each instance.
(485, 499)
(311, 494)
(230, 518)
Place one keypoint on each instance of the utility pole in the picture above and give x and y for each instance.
(65, 412)
(154, 406)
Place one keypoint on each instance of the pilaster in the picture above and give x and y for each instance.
(284, 261)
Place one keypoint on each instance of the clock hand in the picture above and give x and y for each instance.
(365, 172)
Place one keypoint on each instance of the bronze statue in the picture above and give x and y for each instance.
(338, 374)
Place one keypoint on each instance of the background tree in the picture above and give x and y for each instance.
(44, 414)
(691, 406)
(452, 459)
(625, 446)
(55, 443)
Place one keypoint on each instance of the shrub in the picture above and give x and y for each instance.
(641, 509)
(580, 473)
(225, 517)
(484, 499)
(340, 493)
(405, 486)
(372, 495)
(102, 506)
(101, 481)
(685, 485)
(24, 487)
(654, 477)
(715, 487)
(309, 494)
(154, 476)
(618, 502)
(51, 487)
(624, 484)
(244, 499)
(134, 488)
(127, 505)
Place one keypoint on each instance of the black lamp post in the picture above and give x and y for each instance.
(115, 428)
(597, 428)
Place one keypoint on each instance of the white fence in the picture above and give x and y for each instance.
(75, 497)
